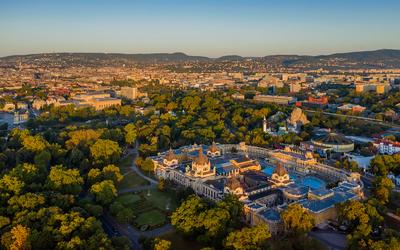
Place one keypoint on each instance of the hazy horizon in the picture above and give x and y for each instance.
(207, 28)
(188, 54)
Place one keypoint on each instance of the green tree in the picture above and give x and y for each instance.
(94, 175)
(112, 172)
(105, 151)
(84, 137)
(382, 187)
(26, 201)
(214, 221)
(43, 159)
(185, 218)
(10, 184)
(34, 143)
(361, 217)
(4, 221)
(105, 192)
(297, 220)
(161, 244)
(68, 181)
(248, 238)
(130, 134)
(147, 165)
(125, 215)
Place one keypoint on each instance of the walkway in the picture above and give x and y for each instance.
(133, 234)
(125, 229)
(333, 240)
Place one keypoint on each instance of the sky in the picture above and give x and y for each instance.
(199, 27)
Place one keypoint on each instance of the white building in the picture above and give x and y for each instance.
(387, 146)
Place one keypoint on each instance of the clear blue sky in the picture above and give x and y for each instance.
(199, 27)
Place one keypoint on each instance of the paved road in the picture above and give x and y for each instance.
(331, 239)
(367, 119)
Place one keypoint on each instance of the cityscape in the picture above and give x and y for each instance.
(188, 125)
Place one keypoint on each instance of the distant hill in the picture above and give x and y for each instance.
(384, 58)
(230, 58)
(382, 54)
(151, 57)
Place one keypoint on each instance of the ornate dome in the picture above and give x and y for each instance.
(171, 155)
(297, 116)
(280, 170)
(233, 183)
(201, 159)
(213, 148)
(332, 139)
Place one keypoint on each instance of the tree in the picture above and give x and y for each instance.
(94, 175)
(112, 172)
(105, 151)
(297, 220)
(382, 189)
(34, 143)
(248, 238)
(214, 221)
(82, 137)
(68, 181)
(361, 217)
(95, 210)
(4, 221)
(43, 158)
(10, 184)
(147, 165)
(160, 244)
(125, 215)
(130, 134)
(383, 164)
(26, 201)
(185, 217)
(231, 204)
(105, 192)
(20, 235)
(30, 173)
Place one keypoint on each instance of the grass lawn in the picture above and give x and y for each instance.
(128, 199)
(151, 218)
(132, 180)
(125, 164)
(161, 199)
(180, 243)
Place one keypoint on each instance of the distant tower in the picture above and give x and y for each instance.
(265, 124)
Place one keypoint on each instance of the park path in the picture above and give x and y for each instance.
(127, 230)
(134, 234)
(135, 168)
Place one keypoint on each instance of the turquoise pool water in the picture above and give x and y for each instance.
(313, 182)
(308, 181)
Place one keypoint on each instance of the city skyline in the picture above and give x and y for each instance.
(210, 29)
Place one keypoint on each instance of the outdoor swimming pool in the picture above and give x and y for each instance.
(308, 181)
(313, 182)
